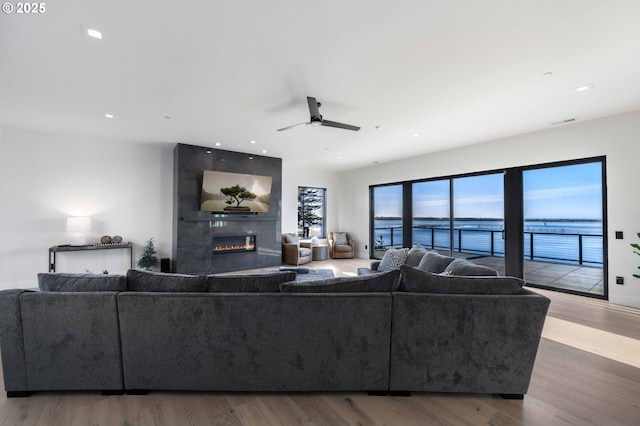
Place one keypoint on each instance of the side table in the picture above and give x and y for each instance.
(319, 252)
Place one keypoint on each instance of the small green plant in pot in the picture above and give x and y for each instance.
(636, 246)
(148, 259)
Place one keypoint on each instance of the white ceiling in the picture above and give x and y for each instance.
(454, 72)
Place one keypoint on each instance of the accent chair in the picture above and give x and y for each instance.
(292, 252)
(340, 245)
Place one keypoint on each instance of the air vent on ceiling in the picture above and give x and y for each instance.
(568, 120)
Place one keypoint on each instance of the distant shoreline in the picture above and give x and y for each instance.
(480, 219)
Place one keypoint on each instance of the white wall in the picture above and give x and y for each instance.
(125, 188)
(616, 137)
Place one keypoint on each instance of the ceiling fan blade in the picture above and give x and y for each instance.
(340, 125)
(314, 110)
(291, 127)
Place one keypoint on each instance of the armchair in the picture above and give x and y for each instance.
(292, 253)
(340, 245)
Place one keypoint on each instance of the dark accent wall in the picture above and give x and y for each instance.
(193, 229)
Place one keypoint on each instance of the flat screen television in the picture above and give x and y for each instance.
(224, 192)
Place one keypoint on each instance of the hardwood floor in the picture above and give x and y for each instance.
(586, 372)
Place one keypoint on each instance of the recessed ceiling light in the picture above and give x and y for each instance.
(108, 116)
(583, 88)
(208, 151)
(252, 141)
(250, 158)
(264, 151)
(415, 135)
(338, 157)
(94, 33)
(218, 144)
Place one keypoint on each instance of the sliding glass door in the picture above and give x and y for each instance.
(387, 219)
(545, 223)
(431, 223)
(478, 212)
(563, 227)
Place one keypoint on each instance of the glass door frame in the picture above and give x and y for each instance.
(514, 223)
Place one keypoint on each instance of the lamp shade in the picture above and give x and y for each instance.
(79, 224)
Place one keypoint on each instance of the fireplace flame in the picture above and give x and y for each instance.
(250, 246)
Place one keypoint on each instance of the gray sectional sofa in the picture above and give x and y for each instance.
(384, 332)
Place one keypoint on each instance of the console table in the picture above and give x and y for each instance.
(59, 249)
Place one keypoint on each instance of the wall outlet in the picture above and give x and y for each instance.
(365, 247)
(619, 235)
(620, 280)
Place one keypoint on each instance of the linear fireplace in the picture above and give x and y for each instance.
(233, 244)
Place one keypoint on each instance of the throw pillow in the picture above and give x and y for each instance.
(392, 259)
(434, 262)
(291, 239)
(340, 238)
(138, 280)
(466, 268)
(387, 282)
(417, 281)
(415, 255)
(81, 282)
(268, 282)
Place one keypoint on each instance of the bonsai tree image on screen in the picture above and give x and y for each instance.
(237, 194)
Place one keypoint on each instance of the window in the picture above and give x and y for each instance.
(312, 206)
(387, 218)
(545, 222)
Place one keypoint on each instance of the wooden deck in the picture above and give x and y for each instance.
(567, 277)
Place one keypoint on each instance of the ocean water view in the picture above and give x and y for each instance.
(551, 240)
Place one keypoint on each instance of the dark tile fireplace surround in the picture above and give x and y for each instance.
(205, 242)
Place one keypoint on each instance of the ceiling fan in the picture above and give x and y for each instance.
(317, 120)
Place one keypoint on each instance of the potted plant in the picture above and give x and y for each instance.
(148, 259)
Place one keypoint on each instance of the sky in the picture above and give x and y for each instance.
(567, 192)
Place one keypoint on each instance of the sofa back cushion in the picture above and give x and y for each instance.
(71, 282)
(434, 262)
(466, 268)
(415, 255)
(138, 280)
(268, 282)
(384, 282)
(417, 281)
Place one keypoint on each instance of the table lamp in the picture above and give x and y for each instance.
(78, 226)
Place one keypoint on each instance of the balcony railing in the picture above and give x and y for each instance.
(581, 249)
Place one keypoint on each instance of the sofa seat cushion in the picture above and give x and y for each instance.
(417, 281)
(466, 268)
(342, 248)
(81, 282)
(434, 262)
(266, 282)
(383, 282)
(138, 280)
(304, 251)
(392, 259)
